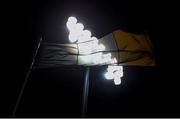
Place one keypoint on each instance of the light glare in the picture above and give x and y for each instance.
(109, 75)
(114, 72)
(87, 33)
(88, 45)
(72, 20)
(117, 81)
(72, 37)
(79, 26)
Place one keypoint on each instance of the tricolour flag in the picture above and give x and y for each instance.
(128, 49)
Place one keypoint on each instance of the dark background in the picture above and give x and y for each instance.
(57, 92)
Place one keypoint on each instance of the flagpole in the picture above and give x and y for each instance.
(85, 92)
(26, 79)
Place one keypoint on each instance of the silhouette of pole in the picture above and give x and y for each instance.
(26, 79)
(85, 93)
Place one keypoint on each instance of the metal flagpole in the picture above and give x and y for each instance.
(26, 79)
(85, 92)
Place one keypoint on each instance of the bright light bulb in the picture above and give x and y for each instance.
(110, 68)
(71, 26)
(117, 81)
(87, 33)
(79, 26)
(109, 75)
(114, 72)
(83, 38)
(94, 39)
(72, 37)
(107, 57)
(97, 58)
(72, 20)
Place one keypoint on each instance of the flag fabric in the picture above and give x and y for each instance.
(128, 48)
(54, 55)
(133, 49)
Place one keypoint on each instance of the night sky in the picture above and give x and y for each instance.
(57, 92)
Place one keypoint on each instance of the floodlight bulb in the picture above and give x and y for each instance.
(87, 33)
(72, 38)
(109, 75)
(97, 58)
(71, 26)
(94, 39)
(79, 26)
(117, 81)
(72, 20)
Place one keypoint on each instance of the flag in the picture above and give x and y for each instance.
(128, 49)
(133, 49)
